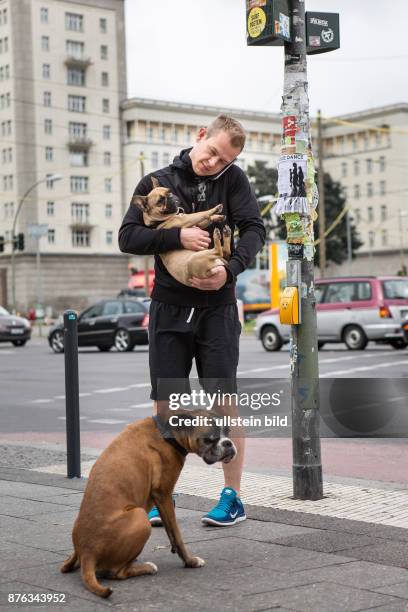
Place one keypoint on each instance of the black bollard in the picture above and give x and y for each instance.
(72, 394)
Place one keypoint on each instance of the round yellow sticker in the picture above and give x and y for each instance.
(256, 22)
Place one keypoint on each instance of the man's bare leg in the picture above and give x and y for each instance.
(233, 470)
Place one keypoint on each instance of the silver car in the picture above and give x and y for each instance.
(353, 310)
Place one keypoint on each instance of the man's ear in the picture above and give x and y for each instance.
(155, 182)
(202, 133)
(139, 201)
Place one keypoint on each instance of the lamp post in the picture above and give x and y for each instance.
(54, 177)
(146, 257)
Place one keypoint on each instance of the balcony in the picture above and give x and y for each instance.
(81, 222)
(80, 143)
(78, 61)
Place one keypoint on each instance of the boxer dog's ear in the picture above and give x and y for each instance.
(140, 201)
(155, 182)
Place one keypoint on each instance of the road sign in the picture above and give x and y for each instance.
(322, 32)
(36, 230)
(268, 22)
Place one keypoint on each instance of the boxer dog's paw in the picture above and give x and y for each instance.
(154, 567)
(195, 562)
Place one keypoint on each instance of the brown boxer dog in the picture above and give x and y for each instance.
(161, 210)
(138, 470)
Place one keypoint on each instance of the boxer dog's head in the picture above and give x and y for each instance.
(203, 433)
(158, 206)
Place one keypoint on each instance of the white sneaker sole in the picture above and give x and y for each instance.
(209, 521)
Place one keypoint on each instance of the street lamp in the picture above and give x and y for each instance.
(51, 179)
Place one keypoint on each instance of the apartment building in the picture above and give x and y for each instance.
(62, 79)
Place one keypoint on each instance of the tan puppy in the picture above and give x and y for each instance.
(161, 210)
(137, 470)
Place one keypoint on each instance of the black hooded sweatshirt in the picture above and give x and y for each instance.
(231, 188)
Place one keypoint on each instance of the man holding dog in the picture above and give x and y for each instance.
(200, 320)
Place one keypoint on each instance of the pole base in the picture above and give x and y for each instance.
(307, 482)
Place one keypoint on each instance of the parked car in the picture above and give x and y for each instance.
(16, 330)
(118, 322)
(134, 292)
(353, 310)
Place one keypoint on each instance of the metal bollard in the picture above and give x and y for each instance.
(72, 394)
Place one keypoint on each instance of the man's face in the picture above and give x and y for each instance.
(211, 155)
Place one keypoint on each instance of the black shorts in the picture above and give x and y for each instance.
(177, 334)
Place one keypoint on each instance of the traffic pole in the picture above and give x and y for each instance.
(322, 208)
(72, 394)
(297, 207)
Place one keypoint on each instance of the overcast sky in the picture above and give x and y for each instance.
(195, 51)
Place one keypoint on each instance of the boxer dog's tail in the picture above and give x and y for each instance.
(89, 578)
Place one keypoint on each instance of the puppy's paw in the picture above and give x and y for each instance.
(226, 231)
(218, 208)
(217, 218)
(217, 234)
(195, 562)
(153, 566)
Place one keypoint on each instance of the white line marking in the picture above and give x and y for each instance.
(41, 401)
(59, 396)
(81, 418)
(119, 410)
(106, 421)
(85, 394)
(110, 390)
(363, 369)
(138, 385)
(146, 405)
(7, 352)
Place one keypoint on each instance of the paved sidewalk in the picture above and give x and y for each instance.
(277, 559)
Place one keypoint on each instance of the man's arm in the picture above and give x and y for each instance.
(137, 239)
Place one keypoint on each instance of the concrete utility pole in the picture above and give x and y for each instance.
(146, 260)
(322, 209)
(298, 211)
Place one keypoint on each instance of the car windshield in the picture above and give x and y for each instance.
(396, 289)
(3, 312)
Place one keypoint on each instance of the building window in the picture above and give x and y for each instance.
(354, 142)
(108, 211)
(370, 213)
(107, 158)
(384, 213)
(382, 188)
(8, 182)
(357, 215)
(382, 163)
(384, 237)
(4, 72)
(47, 98)
(356, 167)
(48, 126)
(79, 184)
(106, 132)
(166, 159)
(103, 25)
(77, 104)
(369, 190)
(7, 155)
(50, 209)
(371, 239)
(45, 43)
(378, 137)
(162, 134)
(49, 154)
(51, 236)
(75, 48)
(105, 105)
(356, 191)
(369, 166)
(154, 160)
(44, 15)
(149, 134)
(80, 212)
(109, 237)
(104, 52)
(108, 185)
(105, 79)
(6, 128)
(76, 76)
(78, 158)
(366, 140)
(81, 238)
(77, 130)
(46, 71)
(344, 169)
(49, 183)
(74, 22)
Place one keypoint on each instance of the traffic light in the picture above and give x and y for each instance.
(1, 244)
(18, 244)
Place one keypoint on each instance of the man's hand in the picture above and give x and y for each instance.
(217, 280)
(194, 238)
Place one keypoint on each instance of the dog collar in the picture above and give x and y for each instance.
(166, 434)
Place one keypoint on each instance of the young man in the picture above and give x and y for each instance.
(200, 321)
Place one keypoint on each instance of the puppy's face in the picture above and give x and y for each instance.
(158, 205)
(201, 432)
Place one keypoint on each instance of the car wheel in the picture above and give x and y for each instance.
(57, 341)
(122, 341)
(104, 347)
(19, 342)
(270, 338)
(398, 343)
(320, 345)
(355, 338)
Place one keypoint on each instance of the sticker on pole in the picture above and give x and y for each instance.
(291, 184)
(256, 22)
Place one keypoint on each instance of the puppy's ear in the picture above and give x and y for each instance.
(155, 182)
(139, 201)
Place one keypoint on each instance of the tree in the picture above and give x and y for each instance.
(263, 179)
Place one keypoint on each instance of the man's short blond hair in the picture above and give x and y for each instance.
(234, 129)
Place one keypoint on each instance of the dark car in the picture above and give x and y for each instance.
(16, 330)
(120, 322)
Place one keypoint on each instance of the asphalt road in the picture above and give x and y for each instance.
(114, 390)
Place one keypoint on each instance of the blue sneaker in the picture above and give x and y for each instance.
(228, 511)
(154, 514)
